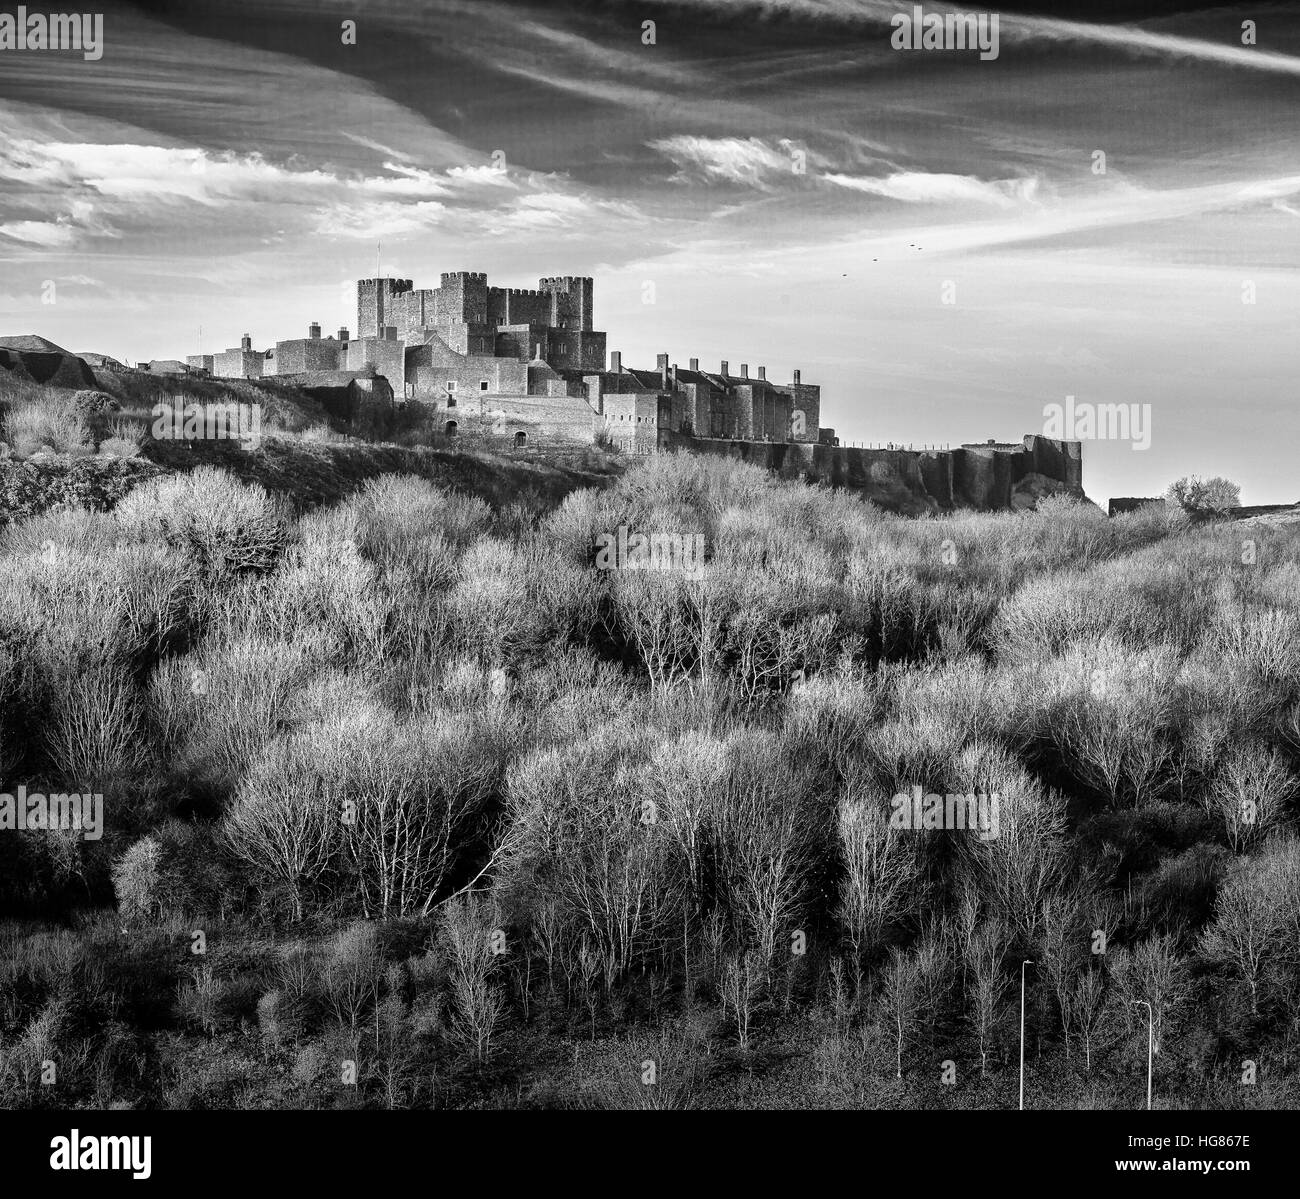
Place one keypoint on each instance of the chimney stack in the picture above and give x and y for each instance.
(343, 334)
(744, 370)
(246, 344)
(674, 376)
(313, 331)
(725, 364)
(796, 377)
(616, 361)
(762, 372)
(662, 362)
(695, 364)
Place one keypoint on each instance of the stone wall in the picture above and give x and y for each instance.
(310, 354)
(238, 364)
(382, 356)
(908, 481)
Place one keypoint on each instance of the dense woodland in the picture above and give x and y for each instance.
(409, 805)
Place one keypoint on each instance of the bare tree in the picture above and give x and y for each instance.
(580, 826)
(1249, 924)
(742, 986)
(882, 878)
(1151, 972)
(986, 984)
(681, 781)
(933, 951)
(1249, 793)
(1064, 950)
(900, 998)
(419, 788)
(352, 974)
(1114, 726)
(286, 821)
(1020, 868)
(1088, 1006)
(653, 613)
(769, 834)
(468, 928)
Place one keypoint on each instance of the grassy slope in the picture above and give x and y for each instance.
(323, 473)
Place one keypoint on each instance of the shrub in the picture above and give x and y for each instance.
(226, 527)
(401, 798)
(51, 423)
(327, 590)
(95, 727)
(214, 709)
(102, 614)
(136, 880)
(398, 509)
(1211, 497)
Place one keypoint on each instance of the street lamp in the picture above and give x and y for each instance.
(1151, 1022)
(1023, 964)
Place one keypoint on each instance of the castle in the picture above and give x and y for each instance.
(532, 363)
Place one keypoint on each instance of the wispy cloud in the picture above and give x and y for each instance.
(745, 162)
(105, 187)
(1026, 29)
(924, 187)
(50, 234)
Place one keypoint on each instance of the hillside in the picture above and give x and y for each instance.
(90, 446)
(668, 795)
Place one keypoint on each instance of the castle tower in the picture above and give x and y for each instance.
(463, 296)
(571, 301)
(375, 303)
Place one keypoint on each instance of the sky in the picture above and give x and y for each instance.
(1109, 209)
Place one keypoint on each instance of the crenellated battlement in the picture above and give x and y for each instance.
(566, 283)
(392, 286)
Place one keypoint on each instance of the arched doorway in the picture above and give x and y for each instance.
(451, 428)
(521, 440)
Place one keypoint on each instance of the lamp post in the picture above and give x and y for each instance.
(1023, 964)
(1151, 1022)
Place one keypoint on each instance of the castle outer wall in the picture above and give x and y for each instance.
(908, 481)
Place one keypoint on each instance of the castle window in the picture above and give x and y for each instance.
(521, 439)
(451, 428)
(483, 384)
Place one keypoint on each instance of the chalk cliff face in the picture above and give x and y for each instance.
(913, 482)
